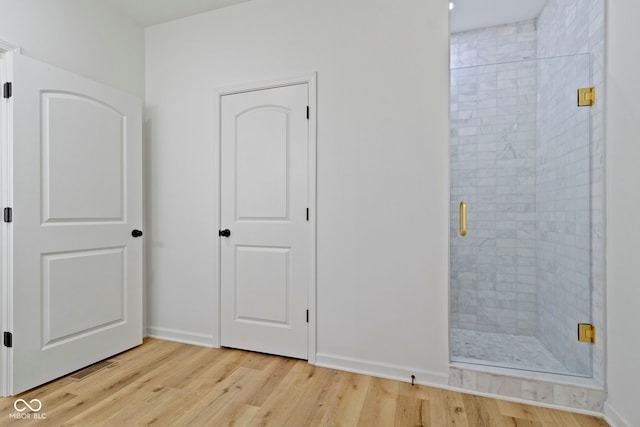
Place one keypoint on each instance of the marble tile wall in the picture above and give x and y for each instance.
(493, 45)
(569, 27)
(590, 398)
(493, 116)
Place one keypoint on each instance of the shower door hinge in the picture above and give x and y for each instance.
(586, 333)
(586, 96)
(7, 90)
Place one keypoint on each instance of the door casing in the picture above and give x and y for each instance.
(7, 51)
(310, 80)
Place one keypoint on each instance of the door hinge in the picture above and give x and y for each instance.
(307, 316)
(7, 90)
(586, 333)
(8, 339)
(308, 112)
(586, 96)
(8, 215)
(307, 214)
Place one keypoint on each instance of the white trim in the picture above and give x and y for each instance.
(4, 247)
(184, 337)
(382, 370)
(8, 47)
(310, 79)
(311, 194)
(613, 417)
(6, 199)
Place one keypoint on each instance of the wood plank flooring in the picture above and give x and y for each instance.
(163, 383)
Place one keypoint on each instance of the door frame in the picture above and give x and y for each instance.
(309, 79)
(7, 51)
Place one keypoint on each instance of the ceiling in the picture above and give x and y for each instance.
(467, 14)
(472, 14)
(152, 12)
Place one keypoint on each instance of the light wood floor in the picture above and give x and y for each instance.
(168, 384)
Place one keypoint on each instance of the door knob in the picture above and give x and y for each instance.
(224, 233)
(136, 233)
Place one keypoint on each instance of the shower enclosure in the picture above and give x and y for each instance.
(521, 162)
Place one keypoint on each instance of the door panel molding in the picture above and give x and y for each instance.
(250, 296)
(310, 79)
(59, 282)
(107, 161)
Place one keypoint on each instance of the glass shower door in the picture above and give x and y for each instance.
(520, 160)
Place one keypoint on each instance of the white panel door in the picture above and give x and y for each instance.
(77, 197)
(264, 200)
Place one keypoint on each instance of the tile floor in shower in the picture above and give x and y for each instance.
(503, 350)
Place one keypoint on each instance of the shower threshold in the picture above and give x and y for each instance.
(504, 351)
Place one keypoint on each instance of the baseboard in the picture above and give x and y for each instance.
(613, 417)
(381, 370)
(201, 340)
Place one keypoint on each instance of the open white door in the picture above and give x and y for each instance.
(264, 211)
(76, 292)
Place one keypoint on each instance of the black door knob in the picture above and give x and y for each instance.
(224, 233)
(136, 233)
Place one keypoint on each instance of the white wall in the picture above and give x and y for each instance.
(382, 182)
(82, 36)
(382, 160)
(623, 205)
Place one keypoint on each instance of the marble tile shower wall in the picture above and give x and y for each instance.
(493, 120)
(569, 27)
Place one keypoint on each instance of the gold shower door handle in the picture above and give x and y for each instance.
(463, 218)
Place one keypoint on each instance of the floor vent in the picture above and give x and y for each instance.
(89, 370)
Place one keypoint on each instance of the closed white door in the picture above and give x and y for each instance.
(264, 220)
(77, 197)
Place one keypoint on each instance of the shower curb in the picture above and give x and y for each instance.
(582, 397)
